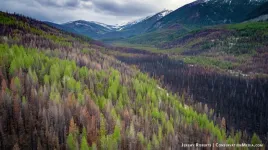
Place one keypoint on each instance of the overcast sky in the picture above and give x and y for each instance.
(105, 11)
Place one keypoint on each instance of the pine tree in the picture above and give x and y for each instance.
(255, 139)
(94, 146)
(102, 126)
(84, 144)
(71, 142)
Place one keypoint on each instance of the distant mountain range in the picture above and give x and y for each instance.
(103, 31)
(182, 21)
(191, 16)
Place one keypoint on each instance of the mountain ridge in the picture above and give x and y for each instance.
(194, 15)
(209, 12)
(99, 30)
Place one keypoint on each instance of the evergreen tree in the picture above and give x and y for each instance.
(255, 139)
(71, 142)
(84, 144)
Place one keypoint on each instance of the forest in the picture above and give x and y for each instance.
(240, 100)
(62, 91)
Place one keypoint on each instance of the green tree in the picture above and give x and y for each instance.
(94, 146)
(54, 73)
(149, 146)
(71, 142)
(141, 137)
(255, 139)
(169, 127)
(46, 79)
(160, 135)
(83, 73)
(33, 75)
(155, 141)
(68, 71)
(84, 144)
(116, 134)
(81, 98)
(102, 126)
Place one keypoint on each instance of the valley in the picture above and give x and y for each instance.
(197, 75)
(238, 98)
(223, 67)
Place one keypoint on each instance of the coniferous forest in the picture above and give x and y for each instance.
(63, 91)
(240, 101)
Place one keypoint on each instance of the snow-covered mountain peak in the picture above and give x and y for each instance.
(90, 23)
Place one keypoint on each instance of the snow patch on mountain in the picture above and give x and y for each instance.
(158, 15)
(164, 13)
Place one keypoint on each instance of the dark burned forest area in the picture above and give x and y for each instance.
(239, 99)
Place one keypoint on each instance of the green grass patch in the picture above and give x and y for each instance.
(138, 46)
(157, 37)
(149, 48)
(207, 62)
(249, 26)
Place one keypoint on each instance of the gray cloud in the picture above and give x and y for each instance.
(59, 3)
(129, 8)
(106, 11)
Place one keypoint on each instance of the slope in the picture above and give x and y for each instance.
(59, 91)
(209, 12)
(259, 14)
(241, 47)
(220, 66)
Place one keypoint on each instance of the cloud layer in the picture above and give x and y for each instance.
(106, 11)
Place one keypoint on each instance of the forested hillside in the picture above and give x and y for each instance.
(59, 91)
(222, 66)
(240, 99)
(209, 12)
(259, 12)
(239, 47)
